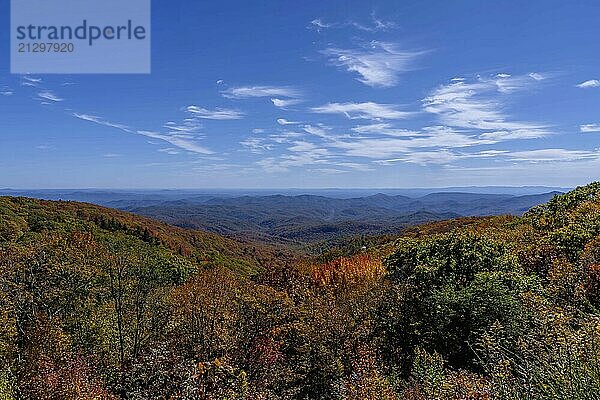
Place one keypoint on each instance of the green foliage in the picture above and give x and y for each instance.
(552, 361)
(452, 287)
(428, 373)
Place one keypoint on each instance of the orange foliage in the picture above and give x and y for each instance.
(344, 270)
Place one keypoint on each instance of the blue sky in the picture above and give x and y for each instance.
(321, 94)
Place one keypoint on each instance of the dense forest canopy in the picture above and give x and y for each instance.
(101, 304)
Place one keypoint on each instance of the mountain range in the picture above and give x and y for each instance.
(286, 217)
(310, 219)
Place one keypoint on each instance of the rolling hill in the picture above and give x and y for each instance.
(307, 219)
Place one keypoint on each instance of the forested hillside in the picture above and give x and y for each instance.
(100, 304)
(309, 219)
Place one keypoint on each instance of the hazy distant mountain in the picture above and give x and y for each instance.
(284, 216)
(106, 196)
(309, 218)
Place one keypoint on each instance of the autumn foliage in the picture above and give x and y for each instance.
(100, 304)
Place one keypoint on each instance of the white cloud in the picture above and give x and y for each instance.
(169, 150)
(478, 105)
(30, 81)
(384, 129)
(507, 83)
(318, 130)
(437, 137)
(187, 127)
(283, 103)
(379, 64)
(380, 24)
(516, 134)
(245, 92)
(308, 147)
(283, 121)
(48, 95)
(180, 135)
(285, 137)
(376, 24)
(256, 145)
(368, 110)
(537, 76)
(592, 83)
(101, 121)
(302, 153)
(7, 92)
(549, 155)
(319, 24)
(216, 114)
(182, 141)
(424, 158)
(587, 128)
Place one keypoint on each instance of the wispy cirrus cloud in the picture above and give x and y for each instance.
(470, 113)
(553, 155)
(257, 144)
(182, 135)
(301, 154)
(49, 95)
(101, 121)
(184, 142)
(385, 129)
(319, 24)
(283, 121)
(479, 105)
(169, 150)
(215, 114)
(336, 151)
(439, 157)
(378, 64)
(592, 83)
(445, 156)
(189, 126)
(30, 81)
(245, 92)
(507, 83)
(284, 103)
(374, 25)
(427, 139)
(588, 128)
(367, 110)
(280, 96)
(319, 130)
